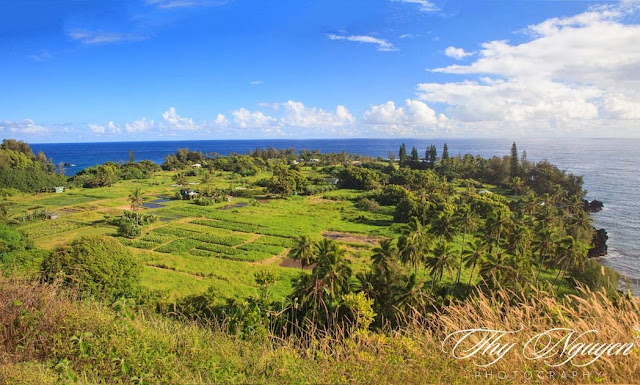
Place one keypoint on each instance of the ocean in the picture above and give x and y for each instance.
(609, 166)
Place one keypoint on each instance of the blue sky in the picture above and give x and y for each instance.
(74, 70)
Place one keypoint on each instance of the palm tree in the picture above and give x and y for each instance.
(180, 179)
(413, 246)
(442, 259)
(135, 198)
(475, 254)
(570, 253)
(333, 268)
(517, 185)
(543, 244)
(519, 241)
(384, 254)
(580, 225)
(303, 251)
(207, 179)
(496, 224)
(412, 295)
(444, 226)
(546, 215)
(467, 219)
(495, 267)
(530, 207)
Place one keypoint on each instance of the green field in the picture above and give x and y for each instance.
(195, 247)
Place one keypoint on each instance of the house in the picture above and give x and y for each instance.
(314, 160)
(333, 181)
(196, 165)
(188, 193)
(59, 189)
(52, 216)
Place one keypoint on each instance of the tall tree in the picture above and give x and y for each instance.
(514, 161)
(402, 155)
(132, 158)
(445, 152)
(415, 158)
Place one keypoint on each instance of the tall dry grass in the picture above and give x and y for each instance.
(47, 337)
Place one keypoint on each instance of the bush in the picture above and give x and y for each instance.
(367, 204)
(128, 229)
(95, 265)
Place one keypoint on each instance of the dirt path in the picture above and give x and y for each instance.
(354, 238)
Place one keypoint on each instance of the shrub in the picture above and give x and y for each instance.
(367, 204)
(205, 201)
(95, 265)
(128, 229)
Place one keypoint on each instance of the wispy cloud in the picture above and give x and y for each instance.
(424, 5)
(256, 82)
(383, 45)
(170, 4)
(40, 56)
(101, 37)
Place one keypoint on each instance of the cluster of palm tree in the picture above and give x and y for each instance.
(319, 293)
(494, 241)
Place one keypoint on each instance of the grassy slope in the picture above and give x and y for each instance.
(48, 338)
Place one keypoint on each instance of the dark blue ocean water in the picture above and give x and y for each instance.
(610, 168)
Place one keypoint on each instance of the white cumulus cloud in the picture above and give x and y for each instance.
(244, 118)
(456, 53)
(174, 122)
(415, 119)
(581, 72)
(25, 126)
(297, 114)
(139, 126)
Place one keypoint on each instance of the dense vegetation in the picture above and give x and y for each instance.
(300, 256)
(21, 169)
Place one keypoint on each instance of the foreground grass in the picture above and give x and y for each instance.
(46, 337)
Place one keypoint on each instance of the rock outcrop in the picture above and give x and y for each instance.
(593, 206)
(598, 244)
